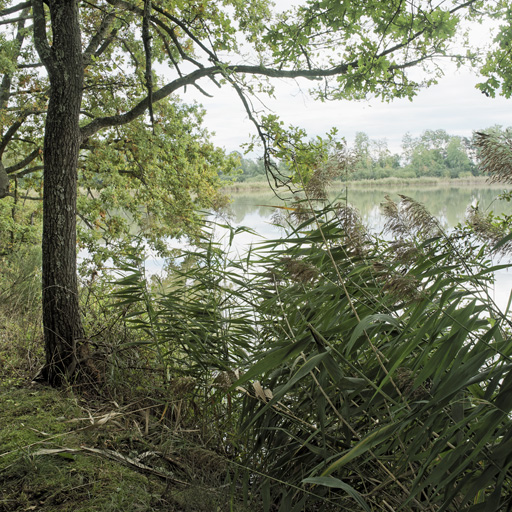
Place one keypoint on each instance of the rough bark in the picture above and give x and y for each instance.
(4, 181)
(63, 332)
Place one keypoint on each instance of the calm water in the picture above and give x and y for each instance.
(448, 204)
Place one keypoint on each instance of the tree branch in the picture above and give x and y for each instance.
(271, 168)
(5, 86)
(185, 29)
(14, 20)
(23, 163)
(169, 52)
(28, 171)
(177, 44)
(33, 65)
(106, 43)
(131, 8)
(15, 8)
(225, 70)
(191, 78)
(142, 106)
(146, 40)
(40, 38)
(9, 134)
(30, 198)
(98, 37)
(4, 182)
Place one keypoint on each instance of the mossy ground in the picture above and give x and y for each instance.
(37, 421)
(37, 418)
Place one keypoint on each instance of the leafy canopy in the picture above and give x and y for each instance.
(144, 153)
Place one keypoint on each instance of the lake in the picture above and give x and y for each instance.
(448, 203)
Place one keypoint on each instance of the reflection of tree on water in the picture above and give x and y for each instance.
(253, 204)
(448, 203)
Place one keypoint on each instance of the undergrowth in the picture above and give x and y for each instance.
(141, 440)
(328, 369)
(60, 450)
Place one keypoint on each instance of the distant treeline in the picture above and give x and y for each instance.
(435, 153)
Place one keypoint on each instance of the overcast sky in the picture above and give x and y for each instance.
(453, 105)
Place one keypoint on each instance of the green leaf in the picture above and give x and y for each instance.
(272, 359)
(338, 484)
(369, 442)
(368, 322)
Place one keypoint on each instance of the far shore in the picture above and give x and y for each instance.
(425, 182)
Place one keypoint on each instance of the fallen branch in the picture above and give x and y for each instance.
(112, 455)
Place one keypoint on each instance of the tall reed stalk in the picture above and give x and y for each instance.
(363, 374)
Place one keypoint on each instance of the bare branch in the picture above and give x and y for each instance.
(185, 29)
(14, 20)
(202, 91)
(106, 43)
(169, 52)
(9, 134)
(131, 8)
(85, 221)
(132, 55)
(99, 38)
(270, 167)
(177, 44)
(33, 65)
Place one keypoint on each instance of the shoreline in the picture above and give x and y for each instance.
(477, 181)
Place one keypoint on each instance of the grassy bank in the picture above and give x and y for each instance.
(478, 181)
(418, 182)
(73, 452)
(127, 444)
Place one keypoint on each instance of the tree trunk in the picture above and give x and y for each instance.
(62, 324)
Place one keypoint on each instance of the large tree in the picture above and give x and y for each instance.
(81, 73)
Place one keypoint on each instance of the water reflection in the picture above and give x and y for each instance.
(448, 204)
